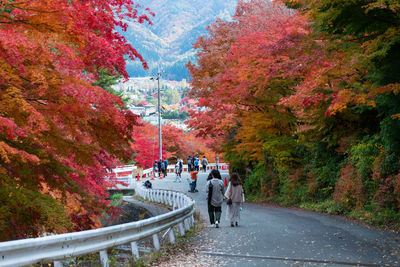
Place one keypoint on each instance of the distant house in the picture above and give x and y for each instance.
(150, 109)
(142, 104)
(141, 111)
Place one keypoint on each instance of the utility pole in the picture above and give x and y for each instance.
(157, 77)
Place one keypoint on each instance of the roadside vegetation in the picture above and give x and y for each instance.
(302, 98)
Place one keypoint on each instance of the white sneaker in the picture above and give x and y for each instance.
(216, 224)
(212, 225)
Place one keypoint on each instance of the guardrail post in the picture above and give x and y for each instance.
(178, 201)
(192, 220)
(171, 236)
(156, 242)
(58, 264)
(173, 201)
(135, 250)
(181, 229)
(186, 222)
(104, 258)
(169, 198)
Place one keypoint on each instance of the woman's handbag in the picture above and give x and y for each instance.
(229, 201)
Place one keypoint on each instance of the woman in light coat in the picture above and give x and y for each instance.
(235, 193)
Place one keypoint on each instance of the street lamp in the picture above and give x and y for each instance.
(157, 77)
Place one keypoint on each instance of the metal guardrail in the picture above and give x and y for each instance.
(59, 247)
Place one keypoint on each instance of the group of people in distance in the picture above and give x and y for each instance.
(194, 163)
(216, 194)
(160, 166)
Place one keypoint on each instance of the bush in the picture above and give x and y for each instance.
(116, 199)
(262, 183)
(170, 115)
(389, 165)
(329, 206)
(364, 155)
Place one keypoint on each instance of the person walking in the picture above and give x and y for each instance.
(235, 197)
(215, 197)
(204, 162)
(197, 163)
(155, 168)
(166, 167)
(180, 167)
(159, 163)
(177, 172)
(193, 175)
(189, 164)
(216, 162)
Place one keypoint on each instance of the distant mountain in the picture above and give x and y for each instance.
(168, 43)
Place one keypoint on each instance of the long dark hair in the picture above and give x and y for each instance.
(235, 180)
(215, 173)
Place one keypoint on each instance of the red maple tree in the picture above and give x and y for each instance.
(58, 132)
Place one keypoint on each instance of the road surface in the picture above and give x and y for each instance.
(273, 236)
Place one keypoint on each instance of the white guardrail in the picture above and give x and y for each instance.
(56, 248)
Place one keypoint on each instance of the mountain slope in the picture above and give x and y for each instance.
(168, 43)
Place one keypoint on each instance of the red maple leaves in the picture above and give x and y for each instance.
(58, 132)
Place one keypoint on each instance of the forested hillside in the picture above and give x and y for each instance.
(302, 98)
(176, 26)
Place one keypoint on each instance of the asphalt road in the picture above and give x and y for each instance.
(273, 236)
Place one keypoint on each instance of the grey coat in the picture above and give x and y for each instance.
(235, 193)
(217, 196)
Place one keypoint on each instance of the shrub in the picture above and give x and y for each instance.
(348, 190)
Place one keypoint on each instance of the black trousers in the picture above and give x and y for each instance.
(212, 210)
